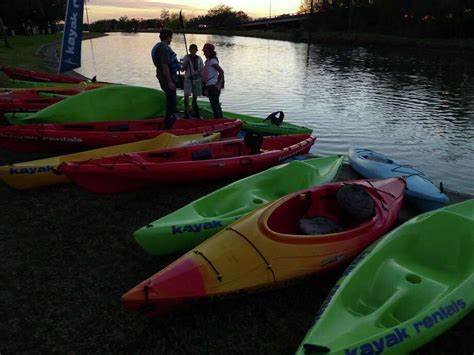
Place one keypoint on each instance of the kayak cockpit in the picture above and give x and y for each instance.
(319, 212)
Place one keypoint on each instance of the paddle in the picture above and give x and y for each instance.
(181, 21)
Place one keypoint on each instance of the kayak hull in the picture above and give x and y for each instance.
(192, 224)
(403, 291)
(261, 250)
(30, 75)
(181, 165)
(421, 192)
(84, 136)
(44, 172)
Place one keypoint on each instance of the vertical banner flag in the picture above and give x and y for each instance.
(72, 36)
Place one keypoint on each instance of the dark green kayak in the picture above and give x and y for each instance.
(33, 84)
(251, 123)
(197, 221)
(402, 292)
(110, 103)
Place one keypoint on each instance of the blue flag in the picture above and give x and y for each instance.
(72, 36)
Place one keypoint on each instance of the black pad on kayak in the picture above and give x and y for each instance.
(378, 159)
(275, 118)
(254, 141)
(319, 225)
(355, 201)
(203, 154)
(119, 128)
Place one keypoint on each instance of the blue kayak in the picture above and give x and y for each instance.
(421, 192)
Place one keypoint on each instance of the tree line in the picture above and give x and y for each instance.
(30, 16)
(221, 17)
(436, 18)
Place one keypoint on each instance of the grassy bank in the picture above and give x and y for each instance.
(68, 256)
(23, 52)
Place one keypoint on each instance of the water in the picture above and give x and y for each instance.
(417, 105)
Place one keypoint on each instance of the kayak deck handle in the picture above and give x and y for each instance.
(315, 349)
(219, 276)
(269, 266)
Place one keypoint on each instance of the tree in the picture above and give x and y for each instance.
(44, 14)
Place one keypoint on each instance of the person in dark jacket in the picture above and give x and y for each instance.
(167, 67)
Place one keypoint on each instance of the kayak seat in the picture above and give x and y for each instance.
(203, 154)
(254, 142)
(319, 225)
(119, 128)
(79, 127)
(378, 158)
(390, 303)
(166, 155)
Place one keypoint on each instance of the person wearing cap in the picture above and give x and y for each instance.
(167, 67)
(212, 76)
(192, 64)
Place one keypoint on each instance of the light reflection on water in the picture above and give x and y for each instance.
(417, 106)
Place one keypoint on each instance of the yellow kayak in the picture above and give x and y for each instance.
(44, 172)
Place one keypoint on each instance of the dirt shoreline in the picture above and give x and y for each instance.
(49, 54)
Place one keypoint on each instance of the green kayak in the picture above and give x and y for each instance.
(32, 84)
(403, 291)
(251, 123)
(197, 221)
(110, 103)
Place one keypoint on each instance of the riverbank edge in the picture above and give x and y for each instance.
(49, 55)
(344, 38)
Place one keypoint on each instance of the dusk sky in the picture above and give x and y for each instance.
(101, 9)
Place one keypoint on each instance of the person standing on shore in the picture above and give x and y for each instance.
(192, 64)
(213, 76)
(167, 67)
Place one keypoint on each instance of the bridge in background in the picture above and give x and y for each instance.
(290, 20)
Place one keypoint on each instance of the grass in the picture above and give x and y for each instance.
(68, 255)
(22, 52)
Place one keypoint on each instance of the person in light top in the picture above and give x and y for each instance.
(192, 65)
(212, 76)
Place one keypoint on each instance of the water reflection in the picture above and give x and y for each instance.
(415, 105)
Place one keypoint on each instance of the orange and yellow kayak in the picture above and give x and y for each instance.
(268, 247)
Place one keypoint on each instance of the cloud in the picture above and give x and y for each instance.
(139, 4)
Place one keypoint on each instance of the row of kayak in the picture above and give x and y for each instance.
(99, 103)
(267, 229)
(392, 287)
(137, 168)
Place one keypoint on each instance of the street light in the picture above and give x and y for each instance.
(270, 8)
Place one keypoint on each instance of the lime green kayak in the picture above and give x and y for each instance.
(251, 123)
(33, 84)
(402, 292)
(110, 103)
(197, 221)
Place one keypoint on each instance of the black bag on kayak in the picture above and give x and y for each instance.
(275, 118)
(254, 141)
(355, 201)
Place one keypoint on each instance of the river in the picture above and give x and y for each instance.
(415, 105)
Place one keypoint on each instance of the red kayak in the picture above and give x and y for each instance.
(84, 136)
(232, 158)
(308, 232)
(25, 102)
(30, 75)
